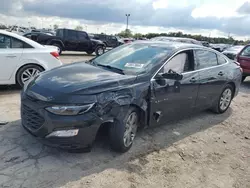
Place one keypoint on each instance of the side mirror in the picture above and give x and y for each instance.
(172, 76)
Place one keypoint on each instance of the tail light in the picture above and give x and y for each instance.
(238, 65)
(55, 54)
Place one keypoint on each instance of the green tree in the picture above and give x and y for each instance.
(55, 27)
(126, 33)
(79, 28)
(138, 35)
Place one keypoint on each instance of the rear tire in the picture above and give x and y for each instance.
(59, 47)
(224, 100)
(123, 131)
(243, 78)
(26, 73)
(99, 50)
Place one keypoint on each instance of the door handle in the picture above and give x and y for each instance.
(193, 80)
(220, 73)
(11, 56)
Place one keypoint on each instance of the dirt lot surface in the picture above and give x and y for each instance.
(203, 151)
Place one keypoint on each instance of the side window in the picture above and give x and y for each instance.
(179, 63)
(82, 35)
(16, 43)
(205, 59)
(221, 60)
(59, 33)
(5, 41)
(246, 52)
(71, 35)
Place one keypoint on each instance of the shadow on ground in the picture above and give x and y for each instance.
(26, 162)
(245, 87)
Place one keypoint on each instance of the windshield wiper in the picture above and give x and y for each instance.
(111, 68)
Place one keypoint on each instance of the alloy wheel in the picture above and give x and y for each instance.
(130, 129)
(28, 74)
(100, 51)
(225, 99)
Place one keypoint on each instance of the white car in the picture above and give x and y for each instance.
(21, 58)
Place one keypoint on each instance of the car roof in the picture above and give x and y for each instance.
(178, 39)
(172, 44)
(22, 38)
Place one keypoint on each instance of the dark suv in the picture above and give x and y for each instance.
(73, 40)
(108, 40)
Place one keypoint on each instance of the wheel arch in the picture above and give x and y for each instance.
(25, 66)
(142, 116)
(53, 41)
(234, 87)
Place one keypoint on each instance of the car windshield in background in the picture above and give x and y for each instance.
(133, 58)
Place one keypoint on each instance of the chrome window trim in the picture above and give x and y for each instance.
(193, 48)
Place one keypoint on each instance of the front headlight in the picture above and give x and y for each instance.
(69, 110)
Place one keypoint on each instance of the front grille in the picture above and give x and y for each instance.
(31, 119)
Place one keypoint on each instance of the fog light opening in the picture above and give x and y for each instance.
(64, 133)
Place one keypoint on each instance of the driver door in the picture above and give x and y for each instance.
(173, 99)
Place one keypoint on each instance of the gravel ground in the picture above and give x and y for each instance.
(203, 151)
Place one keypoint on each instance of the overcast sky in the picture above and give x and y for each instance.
(214, 17)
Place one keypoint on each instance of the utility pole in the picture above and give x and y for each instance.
(127, 15)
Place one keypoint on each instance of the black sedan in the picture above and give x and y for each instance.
(139, 84)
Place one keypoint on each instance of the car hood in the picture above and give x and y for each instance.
(78, 78)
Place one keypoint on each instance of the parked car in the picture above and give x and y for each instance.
(73, 40)
(220, 47)
(126, 40)
(108, 40)
(244, 59)
(205, 43)
(176, 39)
(22, 59)
(231, 52)
(135, 85)
(34, 35)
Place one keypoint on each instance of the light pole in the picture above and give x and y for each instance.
(127, 15)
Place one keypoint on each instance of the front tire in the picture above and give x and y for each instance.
(99, 50)
(224, 100)
(123, 131)
(26, 73)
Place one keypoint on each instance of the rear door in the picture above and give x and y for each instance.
(212, 76)
(71, 41)
(113, 41)
(244, 60)
(11, 50)
(84, 41)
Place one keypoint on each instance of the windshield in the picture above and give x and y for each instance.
(133, 58)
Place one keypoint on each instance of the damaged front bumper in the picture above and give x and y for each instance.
(66, 132)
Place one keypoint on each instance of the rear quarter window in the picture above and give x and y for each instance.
(221, 60)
